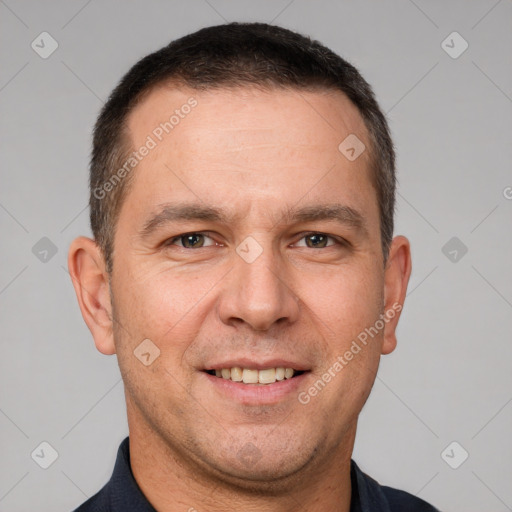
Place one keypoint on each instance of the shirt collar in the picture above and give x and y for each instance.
(125, 494)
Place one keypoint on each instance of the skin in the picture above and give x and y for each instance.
(254, 153)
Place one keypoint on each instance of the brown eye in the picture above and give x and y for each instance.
(318, 240)
(190, 240)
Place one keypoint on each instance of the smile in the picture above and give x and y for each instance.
(252, 376)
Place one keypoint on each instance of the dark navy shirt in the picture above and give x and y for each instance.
(122, 494)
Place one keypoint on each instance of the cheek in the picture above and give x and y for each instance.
(164, 305)
(347, 300)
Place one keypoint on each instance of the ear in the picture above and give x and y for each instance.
(87, 269)
(396, 278)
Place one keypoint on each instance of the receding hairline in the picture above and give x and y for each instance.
(171, 84)
(128, 145)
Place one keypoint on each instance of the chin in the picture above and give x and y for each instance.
(254, 471)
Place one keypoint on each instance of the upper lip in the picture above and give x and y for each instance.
(257, 364)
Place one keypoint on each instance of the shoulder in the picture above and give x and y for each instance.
(121, 493)
(401, 501)
(376, 497)
(97, 503)
(102, 500)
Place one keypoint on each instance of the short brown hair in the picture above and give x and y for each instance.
(232, 55)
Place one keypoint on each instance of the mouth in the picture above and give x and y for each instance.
(255, 377)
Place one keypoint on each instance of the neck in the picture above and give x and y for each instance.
(172, 481)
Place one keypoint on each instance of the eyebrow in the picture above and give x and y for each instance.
(172, 212)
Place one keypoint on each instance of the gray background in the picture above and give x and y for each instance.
(450, 378)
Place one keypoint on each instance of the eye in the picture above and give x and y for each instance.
(196, 240)
(190, 240)
(319, 240)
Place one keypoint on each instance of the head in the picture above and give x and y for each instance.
(236, 136)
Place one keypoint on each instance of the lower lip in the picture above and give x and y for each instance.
(256, 394)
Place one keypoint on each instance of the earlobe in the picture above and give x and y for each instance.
(396, 278)
(90, 280)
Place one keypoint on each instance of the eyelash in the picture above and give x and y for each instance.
(337, 241)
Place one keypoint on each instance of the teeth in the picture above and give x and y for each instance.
(267, 376)
(236, 374)
(249, 376)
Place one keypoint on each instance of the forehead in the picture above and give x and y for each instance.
(231, 145)
(308, 116)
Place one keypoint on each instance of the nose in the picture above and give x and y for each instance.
(259, 293)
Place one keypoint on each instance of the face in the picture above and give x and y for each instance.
(248, 240)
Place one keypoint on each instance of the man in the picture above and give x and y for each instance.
(244, 272)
